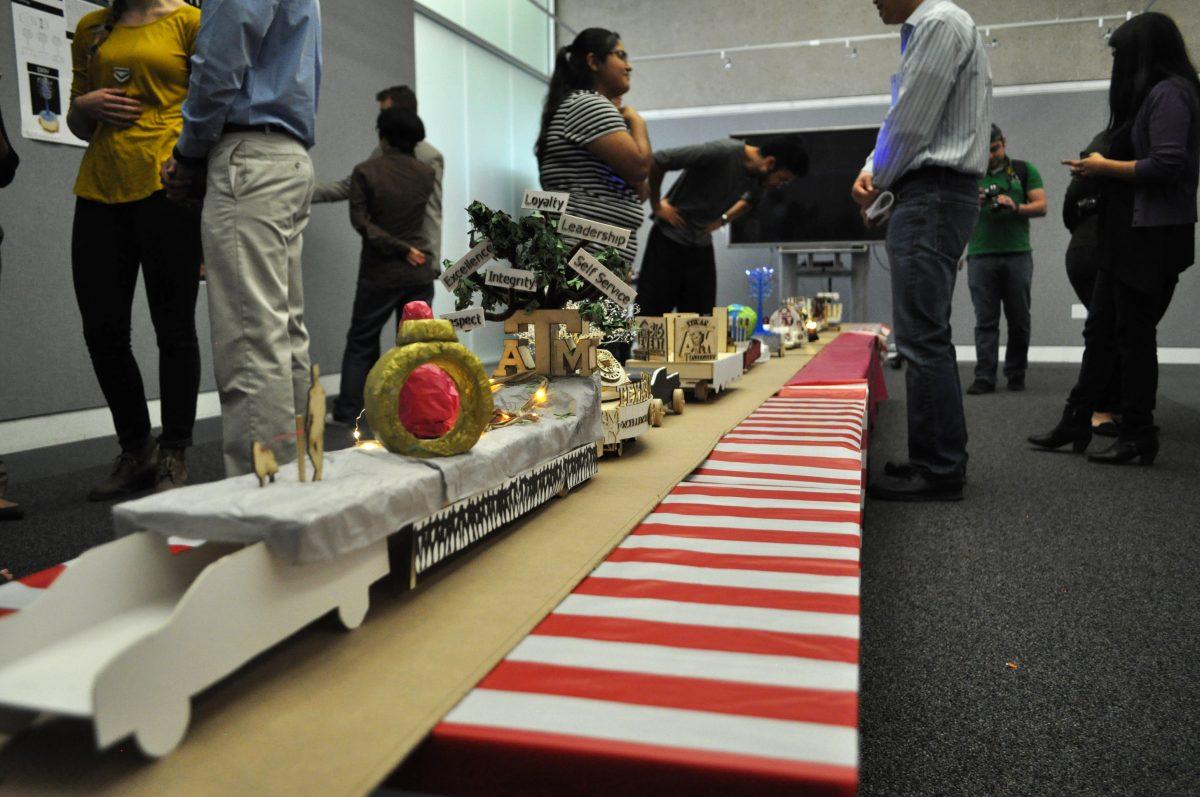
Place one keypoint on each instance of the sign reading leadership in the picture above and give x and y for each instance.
(594, 231)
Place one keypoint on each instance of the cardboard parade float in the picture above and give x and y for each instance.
(457, 455)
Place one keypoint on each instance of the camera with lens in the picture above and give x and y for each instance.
(990, 195)
(1088, 206)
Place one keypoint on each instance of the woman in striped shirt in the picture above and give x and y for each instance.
(590, 145)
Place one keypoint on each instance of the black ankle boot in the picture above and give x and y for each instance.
(1074, 428)
(1142, 447)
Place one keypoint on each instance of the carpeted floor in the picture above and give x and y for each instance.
(1083, 577)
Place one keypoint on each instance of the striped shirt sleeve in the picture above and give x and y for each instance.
(924, 84)
(589, 117)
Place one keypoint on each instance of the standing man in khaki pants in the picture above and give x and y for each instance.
(249, 120)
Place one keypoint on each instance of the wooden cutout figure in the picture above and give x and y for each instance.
(263, 461)
(651, 337)
(514, 360)
(300, 457)
(721, 317)
(314, 426)
(672, 322)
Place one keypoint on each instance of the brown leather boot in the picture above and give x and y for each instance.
(132, 472)
(172, 470)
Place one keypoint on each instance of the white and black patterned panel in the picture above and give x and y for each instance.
(457, 527)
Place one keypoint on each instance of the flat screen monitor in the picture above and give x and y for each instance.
(816, 209)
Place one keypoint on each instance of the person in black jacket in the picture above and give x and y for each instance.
(8, 168)
(1081, 216)
(1148, 233)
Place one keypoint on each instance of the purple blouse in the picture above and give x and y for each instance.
(1166, 144)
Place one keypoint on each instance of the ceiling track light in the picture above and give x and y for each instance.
(726, 61)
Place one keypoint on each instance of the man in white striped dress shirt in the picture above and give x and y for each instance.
(932, 149)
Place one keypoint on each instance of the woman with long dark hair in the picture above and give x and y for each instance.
(1148, 230)
(131, 71)
(590, 144)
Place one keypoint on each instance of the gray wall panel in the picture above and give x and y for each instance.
(44, 367)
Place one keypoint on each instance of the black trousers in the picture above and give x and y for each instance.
(1121, 332)
(1083, 264)
(373, 305)
(109, 245)
(675, 277)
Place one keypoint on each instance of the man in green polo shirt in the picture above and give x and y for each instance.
(1000, 265)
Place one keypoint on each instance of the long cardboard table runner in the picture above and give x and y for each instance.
(330, 712)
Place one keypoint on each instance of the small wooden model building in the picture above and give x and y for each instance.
(696, 348)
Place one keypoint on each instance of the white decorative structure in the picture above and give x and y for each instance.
(130, 632)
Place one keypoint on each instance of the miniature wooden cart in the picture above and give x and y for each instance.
(691, 345)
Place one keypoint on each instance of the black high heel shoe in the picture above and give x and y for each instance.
(1074, 428)
(1144, 449)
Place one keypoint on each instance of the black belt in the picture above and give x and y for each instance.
(265, 127)
(937, 172)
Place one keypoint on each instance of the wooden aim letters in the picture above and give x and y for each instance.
(553, 357)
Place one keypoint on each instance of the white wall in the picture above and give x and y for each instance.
(482, 113)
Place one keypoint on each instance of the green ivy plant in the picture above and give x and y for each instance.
(533, 244)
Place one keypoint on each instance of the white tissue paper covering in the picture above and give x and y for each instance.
(366, 495)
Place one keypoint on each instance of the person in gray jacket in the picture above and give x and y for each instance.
(339, 190)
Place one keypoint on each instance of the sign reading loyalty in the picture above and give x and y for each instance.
(548, 201)
(465, 320)
(468, 264)
(585, 230)
(609, 283)
(514, 278)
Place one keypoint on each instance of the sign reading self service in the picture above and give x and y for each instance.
(609, 283)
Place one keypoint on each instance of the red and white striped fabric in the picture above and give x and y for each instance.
(16, 595)
(715, 649)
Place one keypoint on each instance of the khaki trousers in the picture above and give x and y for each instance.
(256, 208)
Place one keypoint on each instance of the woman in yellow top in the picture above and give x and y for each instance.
(131, 70)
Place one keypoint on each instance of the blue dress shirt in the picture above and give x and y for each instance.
(941, 112)
(256, 62)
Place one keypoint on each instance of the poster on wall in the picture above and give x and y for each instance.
(43, 30)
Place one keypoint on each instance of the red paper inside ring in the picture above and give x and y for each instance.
(429, 402)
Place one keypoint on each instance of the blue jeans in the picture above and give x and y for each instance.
(373, 305)
(995, 280)
(933, 218)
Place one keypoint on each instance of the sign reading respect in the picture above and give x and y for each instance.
(465, 320)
